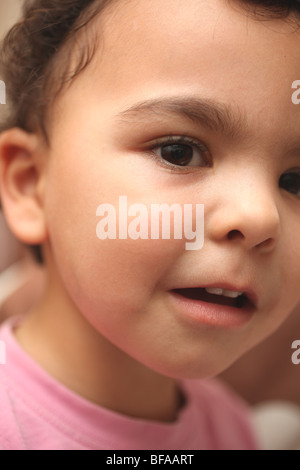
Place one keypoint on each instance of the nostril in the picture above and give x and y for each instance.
(267, 244)
(234, 234)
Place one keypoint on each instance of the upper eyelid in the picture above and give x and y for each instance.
(179, 139)
(292, 170)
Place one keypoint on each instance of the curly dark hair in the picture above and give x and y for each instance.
(37, 58)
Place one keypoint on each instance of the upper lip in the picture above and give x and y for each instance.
(245, 289)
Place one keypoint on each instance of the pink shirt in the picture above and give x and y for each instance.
(38, 413)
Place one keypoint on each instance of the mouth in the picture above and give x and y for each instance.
(217, 306)
(217, 296)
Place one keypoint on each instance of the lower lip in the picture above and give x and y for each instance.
(207, 313)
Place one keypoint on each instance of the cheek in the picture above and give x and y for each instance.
(111, 281)
(105, 276)
(290, 264)
(102, 276)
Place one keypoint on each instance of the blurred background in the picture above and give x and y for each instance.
(266, 373)
(9, 12)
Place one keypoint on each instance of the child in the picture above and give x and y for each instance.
(144, 103)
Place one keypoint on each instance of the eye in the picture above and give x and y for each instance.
(290, 182)
(182, 152)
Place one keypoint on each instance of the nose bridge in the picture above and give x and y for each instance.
(247, 207)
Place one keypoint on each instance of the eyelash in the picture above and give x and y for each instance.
(173, 140)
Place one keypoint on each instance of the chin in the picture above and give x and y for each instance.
(192, 369)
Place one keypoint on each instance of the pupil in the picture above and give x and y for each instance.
(290, 182)
(178, 154)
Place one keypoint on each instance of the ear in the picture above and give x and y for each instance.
(22, 184)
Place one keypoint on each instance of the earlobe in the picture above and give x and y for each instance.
(21, 185)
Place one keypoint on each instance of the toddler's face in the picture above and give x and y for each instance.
(186, 102)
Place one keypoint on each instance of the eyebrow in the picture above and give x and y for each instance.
(214, 115)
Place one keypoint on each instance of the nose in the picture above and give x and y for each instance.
(245, 212)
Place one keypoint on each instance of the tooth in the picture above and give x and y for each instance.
(231, 293)
(214, 290)
(227, 293)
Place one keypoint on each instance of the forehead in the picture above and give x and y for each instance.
(178, 31)
(150, 49)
